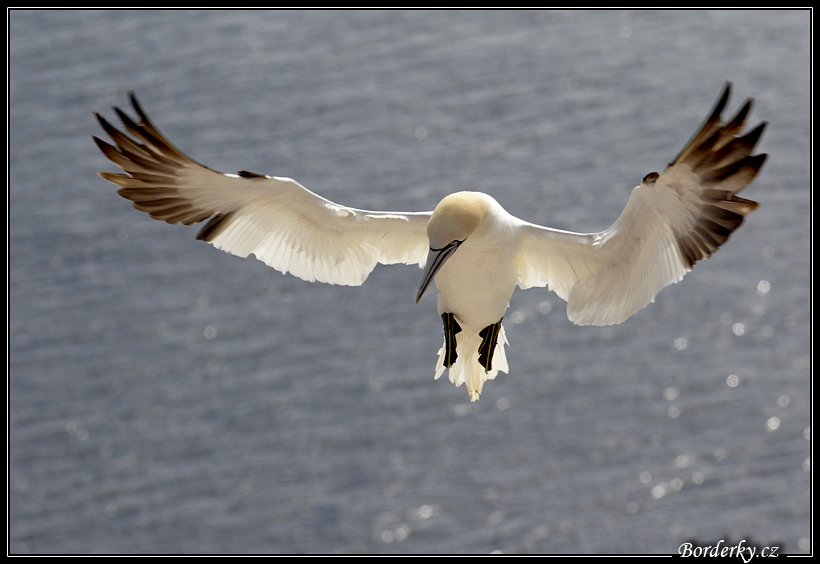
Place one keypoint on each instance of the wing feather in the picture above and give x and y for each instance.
(279, 221)
(671, 221)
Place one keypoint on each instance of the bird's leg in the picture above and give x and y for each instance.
(451, 328)
(489, 338)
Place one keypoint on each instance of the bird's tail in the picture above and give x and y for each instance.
(467, 369)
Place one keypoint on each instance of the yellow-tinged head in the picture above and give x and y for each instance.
(455, 218)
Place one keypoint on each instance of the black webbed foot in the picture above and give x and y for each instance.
(489, 338)
(451, 328)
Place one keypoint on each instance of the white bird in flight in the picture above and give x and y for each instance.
(469, 246)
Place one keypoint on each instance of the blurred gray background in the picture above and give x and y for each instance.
(165, 397)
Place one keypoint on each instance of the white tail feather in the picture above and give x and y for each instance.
(467, 369)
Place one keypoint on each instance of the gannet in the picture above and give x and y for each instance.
(474, 252)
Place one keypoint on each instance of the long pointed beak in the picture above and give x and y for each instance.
(435, 260)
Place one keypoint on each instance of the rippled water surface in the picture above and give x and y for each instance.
(165, 397)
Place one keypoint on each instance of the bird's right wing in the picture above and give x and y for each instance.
(285, 225)
(671, 221)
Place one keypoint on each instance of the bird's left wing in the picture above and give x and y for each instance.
(671, 221)
(285, 225)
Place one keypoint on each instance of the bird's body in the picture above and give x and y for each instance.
(476, 282)
(469, 246)
(475, 285)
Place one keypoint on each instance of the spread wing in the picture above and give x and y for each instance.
(285, 225)
(671, 221)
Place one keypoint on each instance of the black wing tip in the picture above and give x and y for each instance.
(757, 160)
(716, 133)
(720, 105)
(754, 135)
(744, 110)
(102, 121)
(107, 127)
(135, 103)
(104, 146)
(742, 113)
(726, 94)
(740, 117)
(124, 117)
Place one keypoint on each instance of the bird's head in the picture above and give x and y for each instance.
(455, 218)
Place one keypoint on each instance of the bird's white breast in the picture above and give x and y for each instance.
(476, 283)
